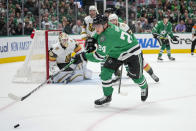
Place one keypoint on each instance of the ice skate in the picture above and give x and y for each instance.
(144, 94)
(155, 78)
(105, 100)
(171, 58)
(160, 59)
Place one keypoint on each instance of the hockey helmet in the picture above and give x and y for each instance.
(100, 19)
(92, 7)
(113, 17)
(63, 39)
(109, 10)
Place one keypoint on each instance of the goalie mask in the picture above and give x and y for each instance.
(63, 39)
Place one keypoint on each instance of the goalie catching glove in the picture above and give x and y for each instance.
(79, 58)
(90, 45)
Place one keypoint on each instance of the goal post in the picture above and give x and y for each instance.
(35, 68)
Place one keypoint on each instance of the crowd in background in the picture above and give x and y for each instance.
(43, 14)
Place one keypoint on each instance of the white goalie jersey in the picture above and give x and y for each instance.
(63, 55)
(87, 28)
(60, 56)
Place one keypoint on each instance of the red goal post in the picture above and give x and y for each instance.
(35, 68)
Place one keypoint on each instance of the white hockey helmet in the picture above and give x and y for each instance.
(113, 17)
(92, 7)
(63, 39)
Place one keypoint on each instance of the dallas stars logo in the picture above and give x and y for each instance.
(102, 39)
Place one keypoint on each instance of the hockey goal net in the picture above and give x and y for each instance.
(35, 68)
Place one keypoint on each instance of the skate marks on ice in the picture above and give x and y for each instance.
(149, 108)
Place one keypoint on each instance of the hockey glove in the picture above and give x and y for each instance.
(174, 38)
(79, 58)
(90, 44)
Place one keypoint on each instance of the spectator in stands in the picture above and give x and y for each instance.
(139, 27)
(30, 5)
(30, 17)
(47, 26)
(154, 23)
(11, 26)
(66, 26)
(160, 15)
(194, 16)
(81, 14)
(44, 22)
(12, 29)
(174, 16)
(70, 16)
(18, 29)
(120, 4)
(182, 10)
(77, 28)
(189, 25)
(60, 26)
(18, 9)
(71, 4)
(18, 18)
(28, 28)
(180, 27)
(3, 29)
(53, 22)
(146, 27)
(1, 7)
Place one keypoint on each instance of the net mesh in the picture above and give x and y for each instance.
(34, 68)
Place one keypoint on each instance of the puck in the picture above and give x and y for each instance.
(17, 125)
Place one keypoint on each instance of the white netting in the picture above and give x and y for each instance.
(34, 69)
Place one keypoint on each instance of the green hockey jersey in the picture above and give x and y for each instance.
(163, 30)
(115, 43)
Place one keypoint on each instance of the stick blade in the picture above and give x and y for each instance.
(14, 97)
(123, 93)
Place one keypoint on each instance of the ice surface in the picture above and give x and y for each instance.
(171, 105)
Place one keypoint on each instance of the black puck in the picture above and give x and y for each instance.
(17, 125)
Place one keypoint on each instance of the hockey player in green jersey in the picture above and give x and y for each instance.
(160, 32)
(116, 47)
(113, 18)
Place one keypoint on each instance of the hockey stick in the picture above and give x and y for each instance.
(120, 92)
(17, 98)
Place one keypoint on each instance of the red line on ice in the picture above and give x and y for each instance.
(96, 123)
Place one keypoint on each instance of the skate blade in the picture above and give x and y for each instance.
(103, 105)
(160, 61)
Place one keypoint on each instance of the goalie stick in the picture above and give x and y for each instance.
(17, 98)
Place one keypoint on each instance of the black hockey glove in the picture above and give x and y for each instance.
(155, 35)
(174, 38)
(90, 45)
(79, 58)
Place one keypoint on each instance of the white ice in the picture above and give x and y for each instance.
(171, 105)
